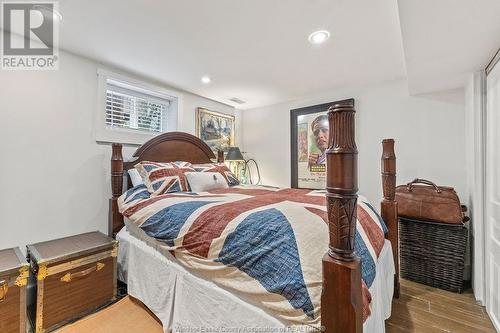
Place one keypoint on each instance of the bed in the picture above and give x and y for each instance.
(340, 293)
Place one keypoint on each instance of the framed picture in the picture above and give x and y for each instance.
(215, 128)
(310, 131)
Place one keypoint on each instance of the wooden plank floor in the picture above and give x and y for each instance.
(425, 309)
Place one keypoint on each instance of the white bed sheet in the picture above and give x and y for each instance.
(185, 302)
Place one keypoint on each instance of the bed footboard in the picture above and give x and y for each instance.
(341, 299)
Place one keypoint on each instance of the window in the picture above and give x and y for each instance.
(129, 109)
(133, 112)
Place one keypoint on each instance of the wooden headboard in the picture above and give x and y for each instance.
(166, 147)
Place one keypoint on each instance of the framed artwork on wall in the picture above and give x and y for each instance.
(215, 128)
(309, 132)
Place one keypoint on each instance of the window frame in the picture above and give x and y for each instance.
(106, 134)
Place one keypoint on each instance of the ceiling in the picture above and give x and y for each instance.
(445, 40)
(257, 51)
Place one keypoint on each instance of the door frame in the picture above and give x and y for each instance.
(476, 177)
(487, 191)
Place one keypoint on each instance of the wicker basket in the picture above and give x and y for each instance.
(433, 253)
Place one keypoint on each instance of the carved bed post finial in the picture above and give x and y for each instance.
(220, 156)
(342, 182)
(388, 169)
(117, 170)
(341, 301)
(389, 206)
(115, 218)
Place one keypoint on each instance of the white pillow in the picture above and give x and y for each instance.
(135, 177)
(206, 181)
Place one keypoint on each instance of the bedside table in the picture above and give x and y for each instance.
(75, 276)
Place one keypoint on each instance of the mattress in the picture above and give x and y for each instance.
(184, 301)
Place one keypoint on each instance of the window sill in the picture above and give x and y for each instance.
(123, 136)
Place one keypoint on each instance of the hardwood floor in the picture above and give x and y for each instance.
(425, 309)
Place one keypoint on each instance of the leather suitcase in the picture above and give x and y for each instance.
(423, 200)
(13, 279)
(75, 276)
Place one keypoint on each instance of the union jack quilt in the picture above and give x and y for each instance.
(162, 178)
(263, 244)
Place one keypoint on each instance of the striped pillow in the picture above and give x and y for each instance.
(221, 168)
(161, 178)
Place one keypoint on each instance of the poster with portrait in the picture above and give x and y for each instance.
(309, 142)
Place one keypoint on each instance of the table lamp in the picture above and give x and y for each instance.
(234, 155)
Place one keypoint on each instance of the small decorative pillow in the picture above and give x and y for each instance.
(162, 178)
(135, 177)
(221, 168)
(206, 181)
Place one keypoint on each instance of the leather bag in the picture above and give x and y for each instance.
(423, 200)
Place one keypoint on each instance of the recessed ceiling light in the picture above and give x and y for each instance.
(206, 79)
(319, 37)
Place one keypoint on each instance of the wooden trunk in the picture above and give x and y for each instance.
(13, 279)
(75, 276)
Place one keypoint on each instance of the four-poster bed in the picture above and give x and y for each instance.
(341, 296)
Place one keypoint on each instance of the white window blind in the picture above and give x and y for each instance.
(130, 109)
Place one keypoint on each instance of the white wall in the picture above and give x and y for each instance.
(429, 134)
(54, 177)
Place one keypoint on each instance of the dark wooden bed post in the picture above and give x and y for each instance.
(115, 218)
(389, 206)
(220, 156)
(341, 301)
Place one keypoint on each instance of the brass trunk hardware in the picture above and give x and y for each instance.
(39, 309)
(22, 279)
(114, 252)
(39, 321)
(42, 272)
(4, 287)
(68, 277)
(49, 271)
(100, 266)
